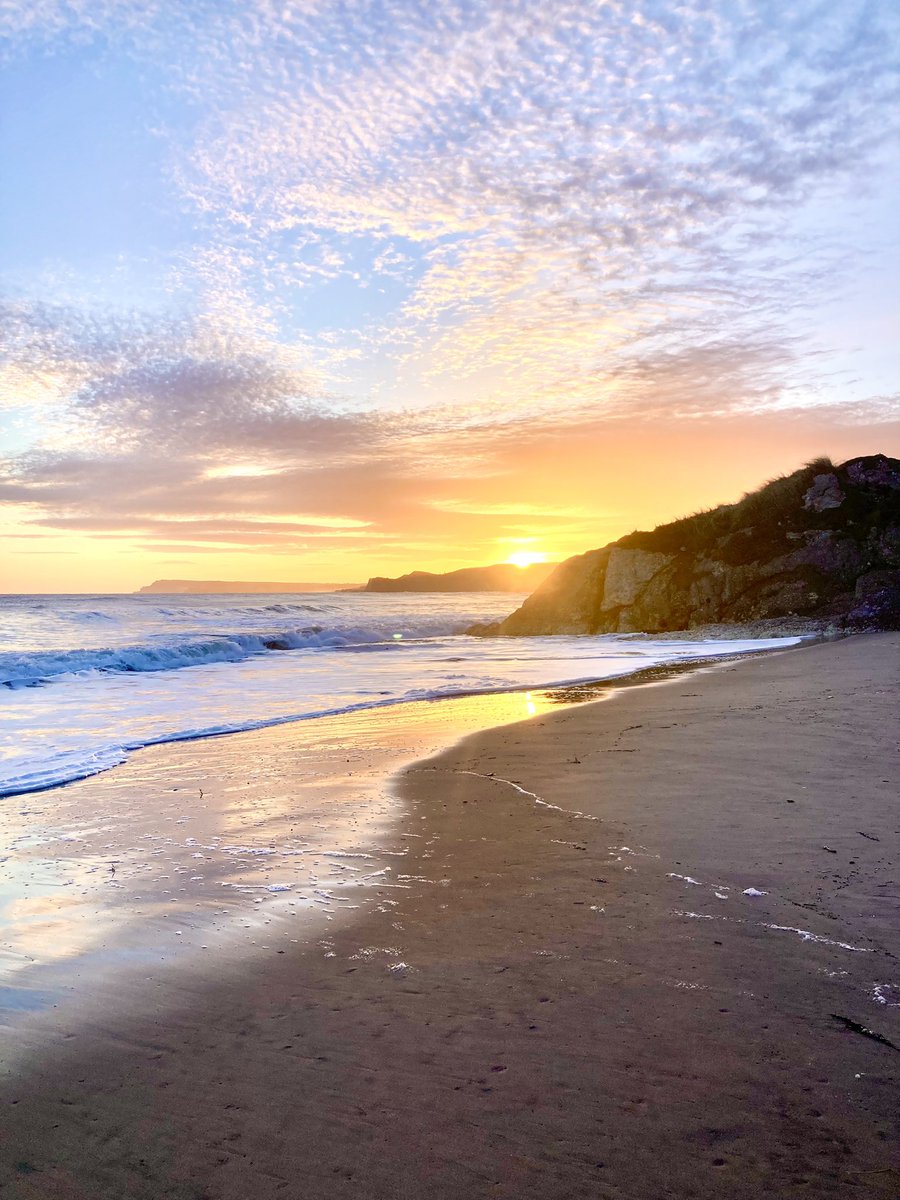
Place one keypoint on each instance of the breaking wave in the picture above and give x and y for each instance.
(24, 669)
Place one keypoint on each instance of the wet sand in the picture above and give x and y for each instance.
(118, 885)
(645, 948)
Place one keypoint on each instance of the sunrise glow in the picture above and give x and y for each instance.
(525, 558)
(299, 292)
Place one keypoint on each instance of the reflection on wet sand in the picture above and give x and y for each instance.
(216, 845)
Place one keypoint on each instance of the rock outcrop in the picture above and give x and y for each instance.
(821, 543)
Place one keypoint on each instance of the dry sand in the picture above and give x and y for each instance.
(559, 1005)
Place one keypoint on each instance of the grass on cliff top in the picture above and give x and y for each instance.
(769, 508)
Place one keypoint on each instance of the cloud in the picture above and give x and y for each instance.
(577, 178)
(173, 435)
(491, 510)
(565, 182)
(580, 216)
(162, 393)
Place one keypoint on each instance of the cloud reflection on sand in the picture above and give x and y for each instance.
(218, 846)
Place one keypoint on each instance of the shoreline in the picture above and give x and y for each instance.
(167, 855)
(530, 1032)
(106, 757)
(87, 907)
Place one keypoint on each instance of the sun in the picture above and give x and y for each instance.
(526, 558)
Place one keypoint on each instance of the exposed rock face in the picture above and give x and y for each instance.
(825, 492)
(876, 470)
(823, 542)
(565, 597)
(627, 572)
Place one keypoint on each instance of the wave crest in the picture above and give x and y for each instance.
(27, 668)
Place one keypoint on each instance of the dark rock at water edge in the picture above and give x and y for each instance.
(821, 544)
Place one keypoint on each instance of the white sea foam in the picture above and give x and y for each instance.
(89, 679)
(806, 936)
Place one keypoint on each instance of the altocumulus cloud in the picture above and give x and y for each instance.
(581, 186)
(154, 423)
(576, 212)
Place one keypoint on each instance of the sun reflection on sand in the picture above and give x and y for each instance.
(197, 846)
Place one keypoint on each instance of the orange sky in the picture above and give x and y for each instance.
(314, 292)
(555, 494)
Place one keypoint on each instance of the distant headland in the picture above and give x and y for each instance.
(182, 587)
(501, 577)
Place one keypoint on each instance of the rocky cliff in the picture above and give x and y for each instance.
(823, 542)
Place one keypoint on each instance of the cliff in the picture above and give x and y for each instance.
(502, 577)
(823, 542)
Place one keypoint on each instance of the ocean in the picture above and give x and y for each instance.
(84, 680)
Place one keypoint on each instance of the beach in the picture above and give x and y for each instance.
(645, 947)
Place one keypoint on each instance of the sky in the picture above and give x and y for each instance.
(322, 289)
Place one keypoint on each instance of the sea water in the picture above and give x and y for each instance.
(86, 679)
